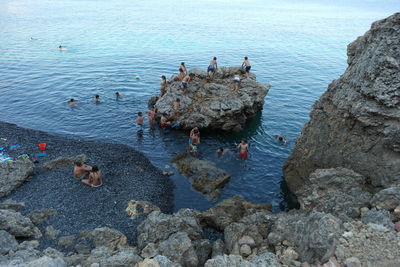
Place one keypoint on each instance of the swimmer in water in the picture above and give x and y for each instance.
(96, 99)
(72, 102)
(151, 115)
(62, 47)
(139, 121)
(194, 141)
(118, 95)
(281, 139)
(221, 151)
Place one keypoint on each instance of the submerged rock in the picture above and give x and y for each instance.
(13, 174)
(356, 122)
(212, 103)
(206, 178)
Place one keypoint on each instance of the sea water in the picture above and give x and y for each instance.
(297, 46)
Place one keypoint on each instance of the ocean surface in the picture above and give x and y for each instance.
(297, 46)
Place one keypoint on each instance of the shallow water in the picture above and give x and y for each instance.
(297, 46)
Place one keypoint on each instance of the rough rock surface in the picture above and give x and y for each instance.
(7, 242)
(179, 248)
(18, 225)
(337, 191)
(206, 178)
(211, 103)
(13, 174)
(107, 237)
(10, 204)
(387, 199)
(355, 124)
(137, 208)
(39, 216)
(62, 162)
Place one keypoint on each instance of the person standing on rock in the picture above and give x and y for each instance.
(163, 85)
(182, 68)
(243, 149)
(212, 67)
(95, 179)
(246, 66)
(194, 140)
(185, 84)
(81, 170)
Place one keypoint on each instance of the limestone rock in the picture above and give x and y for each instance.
(206, 178)
(352, 262)
(387, 199)
(137, 208)
(337, 191)
(159, 226)
(62, 162)
(51, 232)
(236, 231)
(218, 248)
(203, 249)
(46, 261)
(245, 250)
(66, 241)
(228, 260)
(10, 204)
(230, 210)
(158, 261)
(266, 259)
(39, 216)
(7, 242)
(13, 174)
(355, 124)
(179, 248)
(107, 237)
(380, 217)
(211, 103)
(18, 225)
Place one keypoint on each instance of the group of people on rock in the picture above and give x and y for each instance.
(89, 175)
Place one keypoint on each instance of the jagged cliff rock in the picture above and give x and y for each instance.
(356, 122)
(211, 102)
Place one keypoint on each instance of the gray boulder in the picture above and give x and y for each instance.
(266, 259)
(337, 191)
(7, 242)
(46, 261)
(179, 248)
(212, 103)
(235, 232)
(13, 174)
(218, 248)
(205, 177)
(10, 204)
(228, 261)
(203, 249)
(230, 210)
(51, 232)
(66, 241)
(39, 216)
(106, 237)
(18, 225)
(158, 261)
(137, 208)
(158, 227)
(355, 124)
(379, 217)
(62, 162)
(387, 199)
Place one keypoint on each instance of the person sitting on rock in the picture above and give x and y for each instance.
(194, 140)
(95, 179)
(164, 122)
(72, 102)
(180, 76)
(236, 83)
(96, 99)
(281, 138)
(246, 66)
(176, 106)
(212, 67)
(182, 68)
(81, 170)
(163, 85)
(243, 149)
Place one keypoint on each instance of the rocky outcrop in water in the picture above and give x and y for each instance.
(212, 103)
(356, 122)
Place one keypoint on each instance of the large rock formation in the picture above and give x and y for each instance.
(212, 103)
(13, 174)
(356, 123)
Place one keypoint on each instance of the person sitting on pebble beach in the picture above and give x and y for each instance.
(72, 102)
(96, 99)
(95, 179)
(81, 170)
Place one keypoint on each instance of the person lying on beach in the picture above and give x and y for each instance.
(81, 170)
(243, 149)
(282, 139)
(95, 179)
(246, 66)
(163, 85)
(212, 67)
(72, 102)
(151, 115)
(139, 120)
(96, 99)
(194, 140)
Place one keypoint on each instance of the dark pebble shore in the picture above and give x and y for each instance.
(127, 175)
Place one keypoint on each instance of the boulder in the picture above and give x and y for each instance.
(179, 248)
(336, 190)
(203, 249)
(387, 199)
(158, 227)
(228, 260)
(158, 261)
(205, 177)
(236, 233)
(149, 251)
(7, 242)
(18, 225)
(137, 208)
(218, 248)
(66, 241)
(212, 103)
(62, 162)
(10, 204)
(380, 217)
(106, 237)
(266, 259)
(230, 210)
(51, 232)
(46, 261)
(355, 124)
(39, 216)
(13, 174)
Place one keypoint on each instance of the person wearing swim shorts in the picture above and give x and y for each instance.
(185, 83)
(243, 149)
(95, 179)
(139, 121)
(212, 67)
(236, 82)
(194, 140)
(81, 170)
(164, 123)
(246, 66)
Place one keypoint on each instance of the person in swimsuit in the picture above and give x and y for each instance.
(81, 170)
(96, 99)
(185, 83)
(72, 102)
(221, 151)
(62, 47)
(139, 121)
(164, 123)
(163, 85)
(118, 95)
(236, 82)
(176, 106)
(95, 179)
(281, 139)
(194, 140)
(151, 115)
(246, 66)
(243, 149)
(182, 68)
(212, 67)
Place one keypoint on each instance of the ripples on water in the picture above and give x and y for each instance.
(298, 47)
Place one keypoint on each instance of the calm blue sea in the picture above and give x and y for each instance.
(297, 46)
